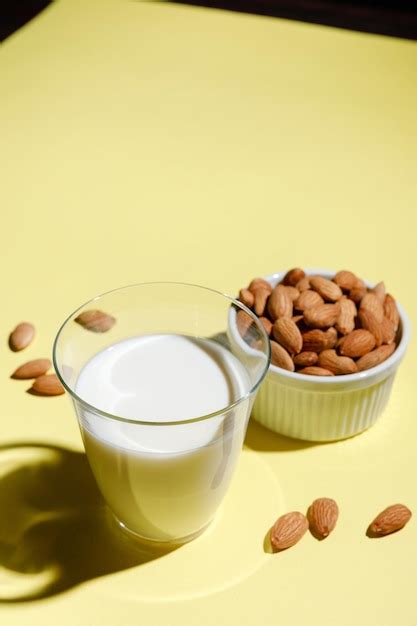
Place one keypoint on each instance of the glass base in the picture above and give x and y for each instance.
(155, 543)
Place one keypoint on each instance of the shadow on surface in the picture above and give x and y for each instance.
(16, 13)
(55, 530)
(264, 440)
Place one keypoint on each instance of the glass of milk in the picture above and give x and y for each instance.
(163, 399)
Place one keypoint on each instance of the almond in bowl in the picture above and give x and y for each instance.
(336, 344)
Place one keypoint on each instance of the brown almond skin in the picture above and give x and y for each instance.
(346, 321)
(380, 291)
(279, 303)
(288, 530)
(280, 357)
(247, 298)
(95, 320)
(388, 331)
(372, 303)
(293, 276)
(375, 357)
(357, 343)
(358, 292)
(322, 315)
(314, 340)
(32, 369)
(345, 280)
(47, 385)
(326, 288)
(369, 321)
(304, 359)
(308, 299)
(21, 336)
(243, 322)
(259, 282)
(339, 365)
(331, 338)
(314, 370)
(267, 324)
(303, 284)
(261, 296)
(391, 311)
(287, 333)
(292, 292)
(322, 515)
(390, 520)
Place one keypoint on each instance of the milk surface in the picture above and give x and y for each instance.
(163, 482)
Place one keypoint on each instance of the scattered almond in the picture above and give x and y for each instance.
(313, 370)
(32, 369)
(330, 360)
(357, 343)
(288, 530)
(304, 359)
(322, 516)
(308, 299)
(292, 277)
(374, 358)
(279, 303)
(390, 520)
(322, 315)
(95, 320)
(21, 336)
(287, 333)
(47, 385)
(326, 288)
(280, 357)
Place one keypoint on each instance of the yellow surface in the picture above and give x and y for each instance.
(150, 141)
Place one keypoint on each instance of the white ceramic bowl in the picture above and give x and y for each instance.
(327, 408)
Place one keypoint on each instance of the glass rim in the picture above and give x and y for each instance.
(192, 420)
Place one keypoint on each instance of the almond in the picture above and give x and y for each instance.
(292, 277)
(287, 333)
(331, 338)
(297, 318)
(322, 516)
(303, 284)
(388, 331)
(304, 359)
(47, 385)
(288, 530)
(32, 369)
(261, 295)
(377, 356)
(308, 299)
(267, 324)
(371, 302)
(379, 291)
(280, 357)
(243, 322)
(313, 370)
(357, 343)
(391, 519)
(391, 311)
(322, 315)
(358, 292)
(21, 336)
(95, 320)
(259, 282)
(330, 360)
(345, 280)
(293, 293)
(247, 298)
(346, 321)
(314, 340)
(369, 321)
(326, 288)
(279, 303)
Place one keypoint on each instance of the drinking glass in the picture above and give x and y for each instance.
(166, 482)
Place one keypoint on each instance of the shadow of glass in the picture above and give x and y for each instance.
(264, 440)
(14, 15)
(55, 529)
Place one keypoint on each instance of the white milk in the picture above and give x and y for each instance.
(162, 481)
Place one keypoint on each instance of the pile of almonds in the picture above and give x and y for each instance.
(321, 519)
(323, 327)
(48, 384)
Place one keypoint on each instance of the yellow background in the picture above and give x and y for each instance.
(158, 142)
